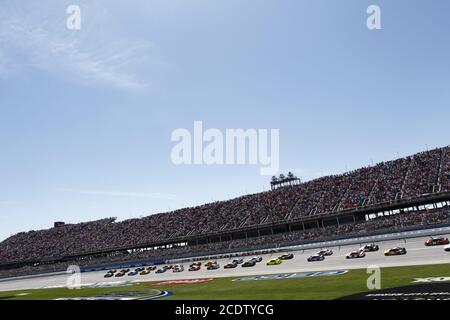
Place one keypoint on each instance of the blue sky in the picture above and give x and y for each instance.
(86, 116)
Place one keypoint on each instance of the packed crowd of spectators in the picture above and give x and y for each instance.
(421, 181)
(412, 177)
(444, 176)
(391, 223)
(389, 181)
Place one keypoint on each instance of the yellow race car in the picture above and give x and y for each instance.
(273, 262)
(210, 263)
(145, 272)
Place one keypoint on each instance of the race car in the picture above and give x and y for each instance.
(124, 270)
(213, 266)
(447, 248)
(286, 256)
(120, 274)
(274, 261)
(249, 263)
(256, 259)
(145, 272)
(194, 268)
(178, 268)
(112, 271)
(151, 268)
(325, 252)
(162, 270)
(436, 241)
(132, 273)
(140, 269)
(210, 263)
(230, 265)
(370, 247)
(316, 257)
(196, 264)
(238, 261)
(108, 275)
(168, 267)
(395, 251)
(356, 254)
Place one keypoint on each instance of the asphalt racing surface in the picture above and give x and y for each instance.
(418, 254)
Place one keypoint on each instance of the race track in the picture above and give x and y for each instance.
(418, 254)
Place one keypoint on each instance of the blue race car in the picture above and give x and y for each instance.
(161, 270)
(316, 257)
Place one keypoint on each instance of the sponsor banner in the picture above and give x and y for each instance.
(187, 281)
(433, 291)
(294, 275)
(126, 295)
(428, 280)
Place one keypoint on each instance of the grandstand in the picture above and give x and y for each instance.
(404, 193)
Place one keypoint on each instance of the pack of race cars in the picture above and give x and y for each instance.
(395, 251)
(196, 266)
(319, 256)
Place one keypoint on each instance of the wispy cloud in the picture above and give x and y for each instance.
(111, 193)
(90, 55)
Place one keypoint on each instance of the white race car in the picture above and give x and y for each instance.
(356, 254)
(178, 268)
(447, 248)
(325, 252)
(370, 247)
(256, 259)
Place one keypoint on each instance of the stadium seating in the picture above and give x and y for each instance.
(388, 223)
(405, 178)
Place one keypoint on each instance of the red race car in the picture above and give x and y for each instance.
(436, 241)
